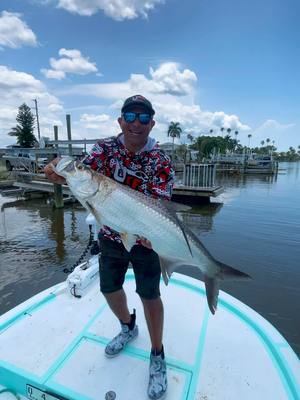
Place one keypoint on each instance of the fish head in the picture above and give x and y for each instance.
(78, 176)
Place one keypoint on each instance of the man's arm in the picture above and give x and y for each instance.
(161, 185)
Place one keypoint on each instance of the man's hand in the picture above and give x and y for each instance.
(145, 242)
(51, 175)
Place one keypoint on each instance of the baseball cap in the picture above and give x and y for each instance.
(138, 100)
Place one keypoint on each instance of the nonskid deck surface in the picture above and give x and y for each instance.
(56, 342)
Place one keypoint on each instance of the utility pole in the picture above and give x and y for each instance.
(37, 118)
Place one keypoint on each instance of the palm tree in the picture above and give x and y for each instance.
(236, 141)
(262, 143)
(228, 131)
(268, 141)
(249, 137)
(211, 131)
(174, 131)
(190, 137)
(222, 130)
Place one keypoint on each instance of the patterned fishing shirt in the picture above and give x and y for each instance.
(149, 171)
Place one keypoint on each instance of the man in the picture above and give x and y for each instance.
(134, 159)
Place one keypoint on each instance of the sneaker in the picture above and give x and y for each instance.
(157, 387)
(128, 333)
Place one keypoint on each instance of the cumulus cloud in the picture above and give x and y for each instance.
(92, 121)
(14, 32)
(18, 84)
(94, 118)
(70, 61)
(95, 126)
(273, 124)
(55, 107)
(17, 87)
(284, 135)
(172, 90)
(118, 10)
(168, 78)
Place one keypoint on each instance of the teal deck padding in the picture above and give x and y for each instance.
(22, 314)
(16, 379)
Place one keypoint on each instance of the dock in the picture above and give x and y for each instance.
(196, 186)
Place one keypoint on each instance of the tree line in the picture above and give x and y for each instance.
(206, 145)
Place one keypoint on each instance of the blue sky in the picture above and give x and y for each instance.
(206, 64)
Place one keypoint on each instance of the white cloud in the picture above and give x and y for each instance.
(92, 121)
(172, 91)
(55, 107)
(52, 74)
(115, 9)
(14, 32)
(94, 118)
(273, 124)
(17, 87)
(19, 84)
(71, 61)
(100, 120)
(169, 79)
(284, 135)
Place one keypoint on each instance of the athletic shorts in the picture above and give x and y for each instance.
(113, 264)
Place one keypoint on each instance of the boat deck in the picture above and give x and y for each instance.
(55, 342)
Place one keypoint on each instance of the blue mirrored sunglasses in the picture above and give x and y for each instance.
(144, 118)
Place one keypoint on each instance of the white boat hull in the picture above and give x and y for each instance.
(55, 342)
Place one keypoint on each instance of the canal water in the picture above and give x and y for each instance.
(253, 226)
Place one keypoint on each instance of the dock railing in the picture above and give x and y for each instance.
(199, 175)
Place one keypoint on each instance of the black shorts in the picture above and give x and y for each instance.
(113, 264)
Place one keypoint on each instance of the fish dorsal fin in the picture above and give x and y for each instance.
(171, 210)
(128, 240)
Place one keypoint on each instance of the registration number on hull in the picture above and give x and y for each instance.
(33, 393)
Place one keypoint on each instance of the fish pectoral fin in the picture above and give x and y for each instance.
(128, 240)
(168, 266)
(93, 211)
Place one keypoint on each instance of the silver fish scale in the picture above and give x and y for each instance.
(122, 212)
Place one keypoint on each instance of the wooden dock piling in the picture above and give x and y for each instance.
(68, 118)
(58, 193)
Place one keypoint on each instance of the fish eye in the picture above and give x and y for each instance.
(80, 166)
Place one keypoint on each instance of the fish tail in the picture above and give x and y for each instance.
(227, 272)
(212, 292)
(212, 284)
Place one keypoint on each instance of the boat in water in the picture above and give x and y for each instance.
(246, 163)
(261, 164)
(52, 346)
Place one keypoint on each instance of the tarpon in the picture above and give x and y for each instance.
(134, 214)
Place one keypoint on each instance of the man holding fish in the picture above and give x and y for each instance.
(133, 159)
